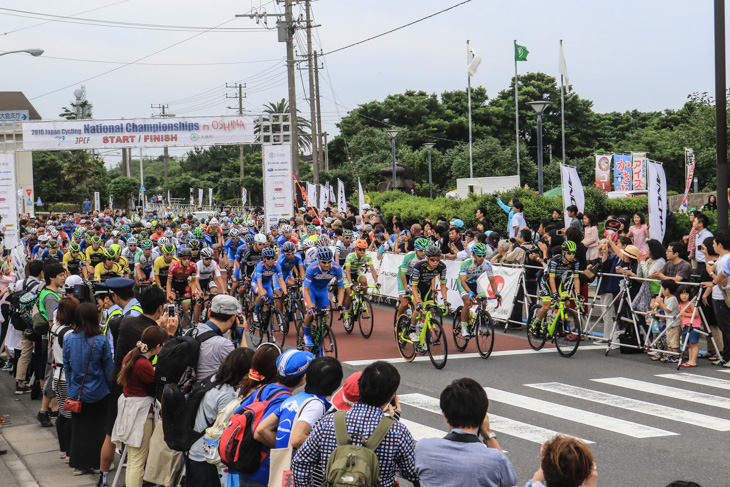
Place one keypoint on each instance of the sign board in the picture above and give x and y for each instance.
(138, 133)
(97, 201)
(278, 183)
(14, 115)
(8, 200)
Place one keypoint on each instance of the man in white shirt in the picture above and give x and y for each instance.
(518, 220)
(720, 280)
(700, 226)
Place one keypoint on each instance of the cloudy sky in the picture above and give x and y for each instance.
(623, 55)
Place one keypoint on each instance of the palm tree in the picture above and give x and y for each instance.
(282, 107)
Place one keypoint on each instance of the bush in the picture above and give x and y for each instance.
(63, 207)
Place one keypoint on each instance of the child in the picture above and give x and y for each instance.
(656, 326)
(691, 322)
(670, 306)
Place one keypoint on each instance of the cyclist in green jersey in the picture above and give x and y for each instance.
(406, 269)
(359, 260)
(469, 273)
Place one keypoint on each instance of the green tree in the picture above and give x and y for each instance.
(123, 188)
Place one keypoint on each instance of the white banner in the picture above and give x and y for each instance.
(210, 196)
(341, 200)
(9, 200)
(140, 132)
(192, 197)
(111, 201)
(244, 196)
(332, 198)
(97, 201)
(324, 195)
(689, 162)
(572, 191)
(657, 201)
(278, 184)
(169, 200)
(311, 194)
(508, 284)
(200, 196)
(361, 197)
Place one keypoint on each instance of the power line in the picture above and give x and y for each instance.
(55, 20)
(158, 64)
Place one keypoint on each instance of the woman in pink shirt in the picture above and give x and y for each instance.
(590, 239)
(639, 232)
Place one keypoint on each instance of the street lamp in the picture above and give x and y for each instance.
(539, 107)
(393, 134)
(429, 146)
(32, 52)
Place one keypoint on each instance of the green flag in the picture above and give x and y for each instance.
(521, 53)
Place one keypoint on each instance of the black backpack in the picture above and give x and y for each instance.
(15, 316)
(180, 403)
(179, 353)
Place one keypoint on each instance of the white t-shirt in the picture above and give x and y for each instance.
(719, 264)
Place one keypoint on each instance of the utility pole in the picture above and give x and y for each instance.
(165, 154)
(289, 38)
(320, 156)
(312, 103)
(241, 95)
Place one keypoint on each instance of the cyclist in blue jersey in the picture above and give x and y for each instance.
(290, 260)
(231, 248)
(40, 247)
(314, 289)
(52, 252)
(267, 281)
(248, 243)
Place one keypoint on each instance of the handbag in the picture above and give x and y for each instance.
(280, 458)
(74, 405)
(590, 273)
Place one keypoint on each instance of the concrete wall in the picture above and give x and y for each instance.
(696, 200)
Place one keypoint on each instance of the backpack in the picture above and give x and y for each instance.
(27, 300)
(179, 353)
(212, 436)
(351, 465)
(237, 447)
(41, 325)
(180, 403)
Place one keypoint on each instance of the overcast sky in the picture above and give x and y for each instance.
(622, 55)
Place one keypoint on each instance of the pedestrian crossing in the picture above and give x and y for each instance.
(583, 420)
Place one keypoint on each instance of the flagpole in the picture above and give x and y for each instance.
(562, 104)
(468, 83)
(517, 117)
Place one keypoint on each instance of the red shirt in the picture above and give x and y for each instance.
(141, 381)
(181, 274)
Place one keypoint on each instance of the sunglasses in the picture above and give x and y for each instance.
(434, 259)
(270, 258)
(208, 258)
(570, 253)
(325, 261)
(109, 258)
(291, 252)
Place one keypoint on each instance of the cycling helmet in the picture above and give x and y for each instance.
(34, 231)
(74, 247)
(569, 246)
(115, 233)
(234, 233)
(194, 244)
(94, 240)
(433, 251)
(184, 226)
(116, 249)
(125, 228)
(260, 238)
(42, 238)
(268, 253)
(108, 253)
(213, 222)
(169, 234)
(162, 241)
(146, 244)
(237, 221)
(90, 233)
(479, 249)
(148, 225)
(206, 253)
(118, 225)
(143, 235)
(274, 227)
(308, 243)
(347, 233)
(311, 228)
(249, 239)
(185, 252)
(54, 233)
(323, 241)
(216, 214)
(324, 253)
(361, 244)
(198, 233)
(422, 243)
(168, 248)
(288, 247)
(131, 241)
(286, 228)
(78, 234)
(53, 243)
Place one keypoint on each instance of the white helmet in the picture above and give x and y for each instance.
(206, 253)
(308, 243)
(259, 238)
(162, 241)
(214, 222)
(286, 228)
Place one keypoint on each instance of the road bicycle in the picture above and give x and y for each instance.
(562, 326)
(431, 338)
(271, 324)
(323, 338)
(293, 304)
(480, 326)
(184, 318)
(362, 310)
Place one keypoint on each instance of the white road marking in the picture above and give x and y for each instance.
(420, 431)
(702, 380)
(673, 392)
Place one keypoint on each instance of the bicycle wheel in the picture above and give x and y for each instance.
(567, 333)
(184, 321)
(484, 331)
(278, 327)
(365, 318)
(459, 341)
(327, 342)
(437, 345)
(257, 333)
(405, 346)
(297, 312)
(534, 337)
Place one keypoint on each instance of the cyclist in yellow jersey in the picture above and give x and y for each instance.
(94, 255)
(163, 263)
(73, 261)
(108, 268)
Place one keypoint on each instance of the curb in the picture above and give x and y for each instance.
(20, 472)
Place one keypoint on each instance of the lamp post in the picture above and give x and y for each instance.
(539, 107)
(429, 146)
(32, 52)
(393, 134)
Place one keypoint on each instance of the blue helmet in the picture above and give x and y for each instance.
(249, 238)
(324, 253)
(288, 247)
(268, 253)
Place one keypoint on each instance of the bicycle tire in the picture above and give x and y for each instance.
(327, 343)
(568, 333)
(437, 344)
(365, 318)
(406, 348)
(459, 341)
(257, 333)
(278, 327)
(484, 333)
(535, 341)
(184, 321)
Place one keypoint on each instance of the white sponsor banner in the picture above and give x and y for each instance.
(192, 197)
(97, 201)
(278, 184)
(387, 272)
(361, 197)
(19, 261)
(508, 284)
(210, 196)
(572, 191)
(323, 197)
(311, 194)
(332, 197)
(9, 200)
(169, 199)
(244, 196)
(657, 182)
(341, 200)
(139, 132)
(200, 196)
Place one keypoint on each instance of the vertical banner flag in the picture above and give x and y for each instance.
(341, 200)
(111, 202)
(200, 196)
(210, 196)
(472, 60)
(278, 184)
(169, 200)
(638, 171)
(361, 197)
(563, 68)
(312, 194)
(9, 200)
(603, 171)
(333, 198)
(657, 183)
(97, 201)
(192, 197)
(323, 196)
(244, 195)
(572, 191)
(621, 172)
(689, 162)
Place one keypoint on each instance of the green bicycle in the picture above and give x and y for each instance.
(431, 338)
(561, 325)
(323, 338)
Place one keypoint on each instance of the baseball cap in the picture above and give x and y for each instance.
(348, 394)
(225, 305)
(293, 362)
(458, 223)
(72, 281)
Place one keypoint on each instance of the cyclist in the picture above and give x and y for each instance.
(267, 281)
(359, 260)
(309, 248)
(209, 274)
(144, 262)
(250, 259)
(162, 265)
(108, 268)
(194, 246)
(232, 245)
(344, 247)
(469, 273)
(158, 232)
(52, 252)
(286, 236)
(40, 248)
(182, 279)
(130, 250)
(315, 287)
(289, 260)
(422, 280)
(74, 261)
(184, 236)
(118, 257)
(94, 252)
(405, 271)
(556, 282)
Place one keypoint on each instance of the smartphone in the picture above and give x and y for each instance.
(171, 310)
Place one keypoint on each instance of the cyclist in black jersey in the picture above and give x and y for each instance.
(556, 282)
(422, 280)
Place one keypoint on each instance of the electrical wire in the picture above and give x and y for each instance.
(54, 20)
(158, 64)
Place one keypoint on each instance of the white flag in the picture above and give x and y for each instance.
(361, 202)
(192, 197)
(169, 201)
(323, 195)
(472, 60)
(657, 201)
(572, 191)
(563, 69)
(333, 198)
(200, 196)
(311, 194)
(210, 196)
(244, 195)
(341, 200)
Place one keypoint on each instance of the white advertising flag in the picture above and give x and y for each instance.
(312, 194)
(200, 196)
(278, 184)
(210, 196)
(472, 60)
(572, 191)
(192, 197)
(563, 69)
(169, 200)
(244, 195)
(333, 198)
(97, 201)
(323, 196)
(361, 196)
(657, 201)
(341, 200)
(8, 204)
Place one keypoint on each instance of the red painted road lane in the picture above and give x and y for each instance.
(381, 344)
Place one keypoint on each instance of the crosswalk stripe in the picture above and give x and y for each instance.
(499, 424)
(702, 380)
(673, 392)
(724, 371)
(567, 413)
(420, 431)
(665, 412)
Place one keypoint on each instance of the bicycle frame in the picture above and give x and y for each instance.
(425, 318)
(560, 314)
